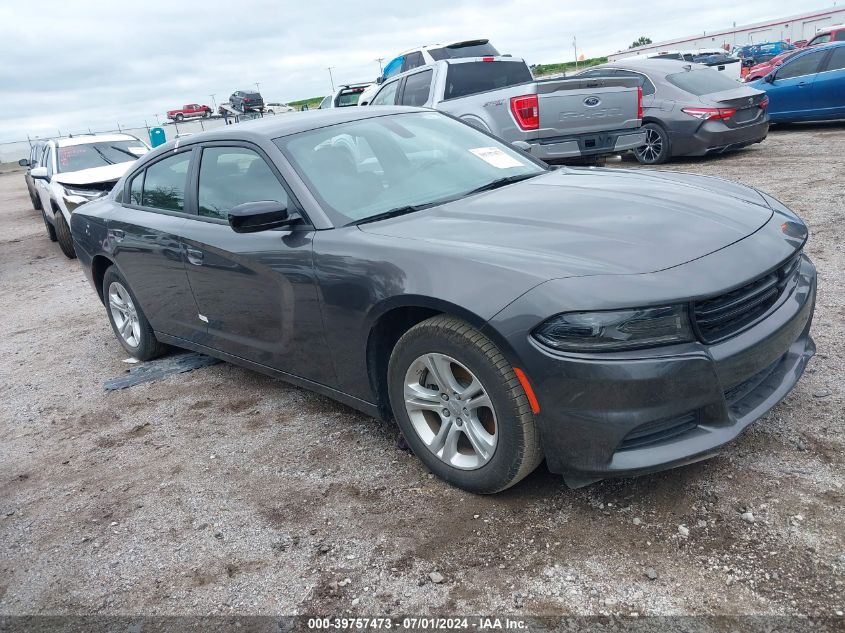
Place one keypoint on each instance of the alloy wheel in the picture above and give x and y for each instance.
(451, 411)
(653, 147)
(124, 314)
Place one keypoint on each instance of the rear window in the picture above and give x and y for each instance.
(348, 97)
(473, 77)
(702, 82)
(464, 49)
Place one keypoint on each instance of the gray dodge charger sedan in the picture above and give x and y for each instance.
(612, 322)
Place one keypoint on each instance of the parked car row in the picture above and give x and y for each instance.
(66, 173)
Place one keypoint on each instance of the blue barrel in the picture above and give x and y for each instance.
(157, 136)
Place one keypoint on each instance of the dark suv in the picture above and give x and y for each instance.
(246, 100)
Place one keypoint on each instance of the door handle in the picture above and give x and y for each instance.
(194, 256)
(117, 234)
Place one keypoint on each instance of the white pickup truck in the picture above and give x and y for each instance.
(554, 120)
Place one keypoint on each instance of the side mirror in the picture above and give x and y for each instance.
(770, 78)
(23, 162)
(380, 80)
(252, 217)
(39, 173)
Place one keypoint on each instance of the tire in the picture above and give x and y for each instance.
(36, 200)
(206, 114)
(502, 425)
(125, 314)
(658, 147)
(180, 117)
(51, 230)
(64, 237)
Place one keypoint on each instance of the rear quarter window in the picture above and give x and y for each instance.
(474, 77)
(702, 82)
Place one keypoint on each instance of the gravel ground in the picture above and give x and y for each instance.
(222, 491)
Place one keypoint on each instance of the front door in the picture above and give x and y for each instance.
(256, 291)
(790, 94)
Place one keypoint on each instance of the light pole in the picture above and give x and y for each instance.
(213, 102)
(158, 122)
(380, 67)
(575, 48)
(258, 86)
(330, 76)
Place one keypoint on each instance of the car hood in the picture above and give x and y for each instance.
(106, 173)
(573, 222)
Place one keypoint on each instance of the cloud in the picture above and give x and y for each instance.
(95, 63)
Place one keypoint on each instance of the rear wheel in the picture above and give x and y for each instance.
(180, 117)
(64, 237)
(128, 321)
(461, 407)
(51, 230)
(657, 148)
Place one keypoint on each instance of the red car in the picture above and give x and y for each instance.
(833, 34)
(764, 68)
(187, 111)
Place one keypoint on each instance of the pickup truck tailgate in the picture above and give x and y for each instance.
(587, 105)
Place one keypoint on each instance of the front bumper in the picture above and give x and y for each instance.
(623, 414)
(598, 144)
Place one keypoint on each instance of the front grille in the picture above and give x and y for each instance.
(659, 431)
(717, 318)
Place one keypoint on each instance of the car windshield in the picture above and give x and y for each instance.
(702, 82)
(362, 169)
(91, 155)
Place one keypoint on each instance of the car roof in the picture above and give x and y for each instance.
(446, 45)
(653, 64)
(85, 139)
(265, 128)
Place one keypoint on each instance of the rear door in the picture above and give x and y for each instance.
(791, 91)
(416, 89)
(143, 236)
(256, 291)
(829, 86)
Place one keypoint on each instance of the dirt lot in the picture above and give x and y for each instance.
(222, 491)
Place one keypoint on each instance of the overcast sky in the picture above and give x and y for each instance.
(70, 64)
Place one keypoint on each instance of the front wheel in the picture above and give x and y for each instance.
(657, 148)
(461, 407)
(63, 236)
(128, 321)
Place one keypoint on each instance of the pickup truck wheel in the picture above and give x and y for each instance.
(180, 117)
(128, 321)
(461, 407)
(51, 230)
(64, 237)
(657, 148)
(206, 114)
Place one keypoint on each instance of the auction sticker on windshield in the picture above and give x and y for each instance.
(496, 157)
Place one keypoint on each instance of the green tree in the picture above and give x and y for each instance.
(641, 42)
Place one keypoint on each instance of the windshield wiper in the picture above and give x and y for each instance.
(501, 182)
(124, 151)
(392, 213)
(100, 152)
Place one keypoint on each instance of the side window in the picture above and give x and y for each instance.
(136, 188)
(645, 84)
(837, 58)
(48, 160)
(387, 94)
(821, 39)
(804, 65)
(325, 103)
(165, 182)
(230, 176)
(839, 37)
(416, 89)
(413, 60)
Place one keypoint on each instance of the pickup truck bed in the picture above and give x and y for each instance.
(557, 119)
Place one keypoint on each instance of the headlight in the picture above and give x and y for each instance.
(74, 198)
(615, 330)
